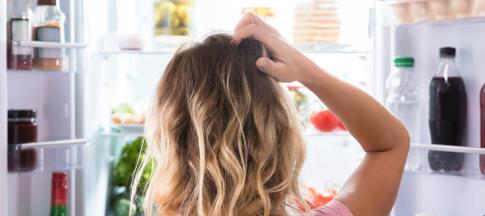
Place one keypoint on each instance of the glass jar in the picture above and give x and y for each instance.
(49, 27)
(22, 128)
(173, 17)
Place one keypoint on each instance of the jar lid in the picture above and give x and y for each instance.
(46, 2)
(21, 114)
(404, 62)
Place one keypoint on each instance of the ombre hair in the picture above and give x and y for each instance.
(224, 136)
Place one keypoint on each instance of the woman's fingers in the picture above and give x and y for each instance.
(256, 32)
(274, 69)
(251, 18)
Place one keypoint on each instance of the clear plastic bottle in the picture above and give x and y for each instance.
(403, 102)
(49, 27)
(447, 113)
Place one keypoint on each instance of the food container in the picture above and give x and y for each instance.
(461, 8)
(420, 10)
(22, 128)
(173, 17)
(480, 8)
(403, 12)
(440, 9)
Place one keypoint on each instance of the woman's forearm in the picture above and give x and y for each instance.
(369, 122)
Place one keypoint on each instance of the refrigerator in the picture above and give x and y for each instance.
(116, 54)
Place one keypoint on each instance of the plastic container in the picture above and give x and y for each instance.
(461, 8)
(402, 12)
(439, 9)
(480, 8)
(420, 10)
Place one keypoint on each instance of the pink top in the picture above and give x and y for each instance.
(333, 208)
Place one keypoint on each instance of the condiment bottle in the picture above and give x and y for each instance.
(19, 29)
(59, 194)
(49, 27)
(482, 128)
(22, 128)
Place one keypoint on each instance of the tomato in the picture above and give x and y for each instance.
(324, 121)
(341, 126)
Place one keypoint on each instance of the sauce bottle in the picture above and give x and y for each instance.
(49, 27)
(19, 29)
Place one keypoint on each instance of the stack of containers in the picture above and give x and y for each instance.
(413, 11)
(316, 21)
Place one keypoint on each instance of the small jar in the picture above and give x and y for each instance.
(22, 128)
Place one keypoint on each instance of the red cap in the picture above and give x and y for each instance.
(59, 188)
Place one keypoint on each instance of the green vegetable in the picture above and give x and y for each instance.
(123, 108)
(124, 169)
(122, 207)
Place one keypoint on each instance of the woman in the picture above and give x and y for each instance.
(226, 141)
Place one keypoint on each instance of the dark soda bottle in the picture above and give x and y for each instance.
(447, 113)
(482, 128)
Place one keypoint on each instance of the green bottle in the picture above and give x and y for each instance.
(59, 194)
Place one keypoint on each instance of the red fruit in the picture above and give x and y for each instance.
(341, 126)
(324, 121)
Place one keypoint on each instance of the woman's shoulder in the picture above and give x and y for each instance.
(333, 208)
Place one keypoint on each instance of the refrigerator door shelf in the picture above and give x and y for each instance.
(42, 44)
(38, 157)
(455, 161)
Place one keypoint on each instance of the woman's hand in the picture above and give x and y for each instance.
(287, 64)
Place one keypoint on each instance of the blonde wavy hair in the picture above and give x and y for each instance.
(224, 136)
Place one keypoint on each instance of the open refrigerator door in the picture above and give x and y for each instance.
(442, 175)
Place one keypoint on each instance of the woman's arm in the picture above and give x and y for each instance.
(372, 188)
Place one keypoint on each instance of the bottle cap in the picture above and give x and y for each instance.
(12, 114)
(46, 2)
(447, 52)
(403, 62)
(59, 177)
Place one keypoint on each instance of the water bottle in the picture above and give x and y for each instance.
(402, 101)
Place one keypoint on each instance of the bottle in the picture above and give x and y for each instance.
(447, 112)
(482, 128)
(59, 194)
(19, 29)
(403, 102)
(49, 27)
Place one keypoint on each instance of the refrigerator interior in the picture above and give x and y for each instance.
(78, 103)
(121, 76)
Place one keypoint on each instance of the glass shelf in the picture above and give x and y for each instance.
(331, 48)
(42, 44)
(136, 52)
(62, 155)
